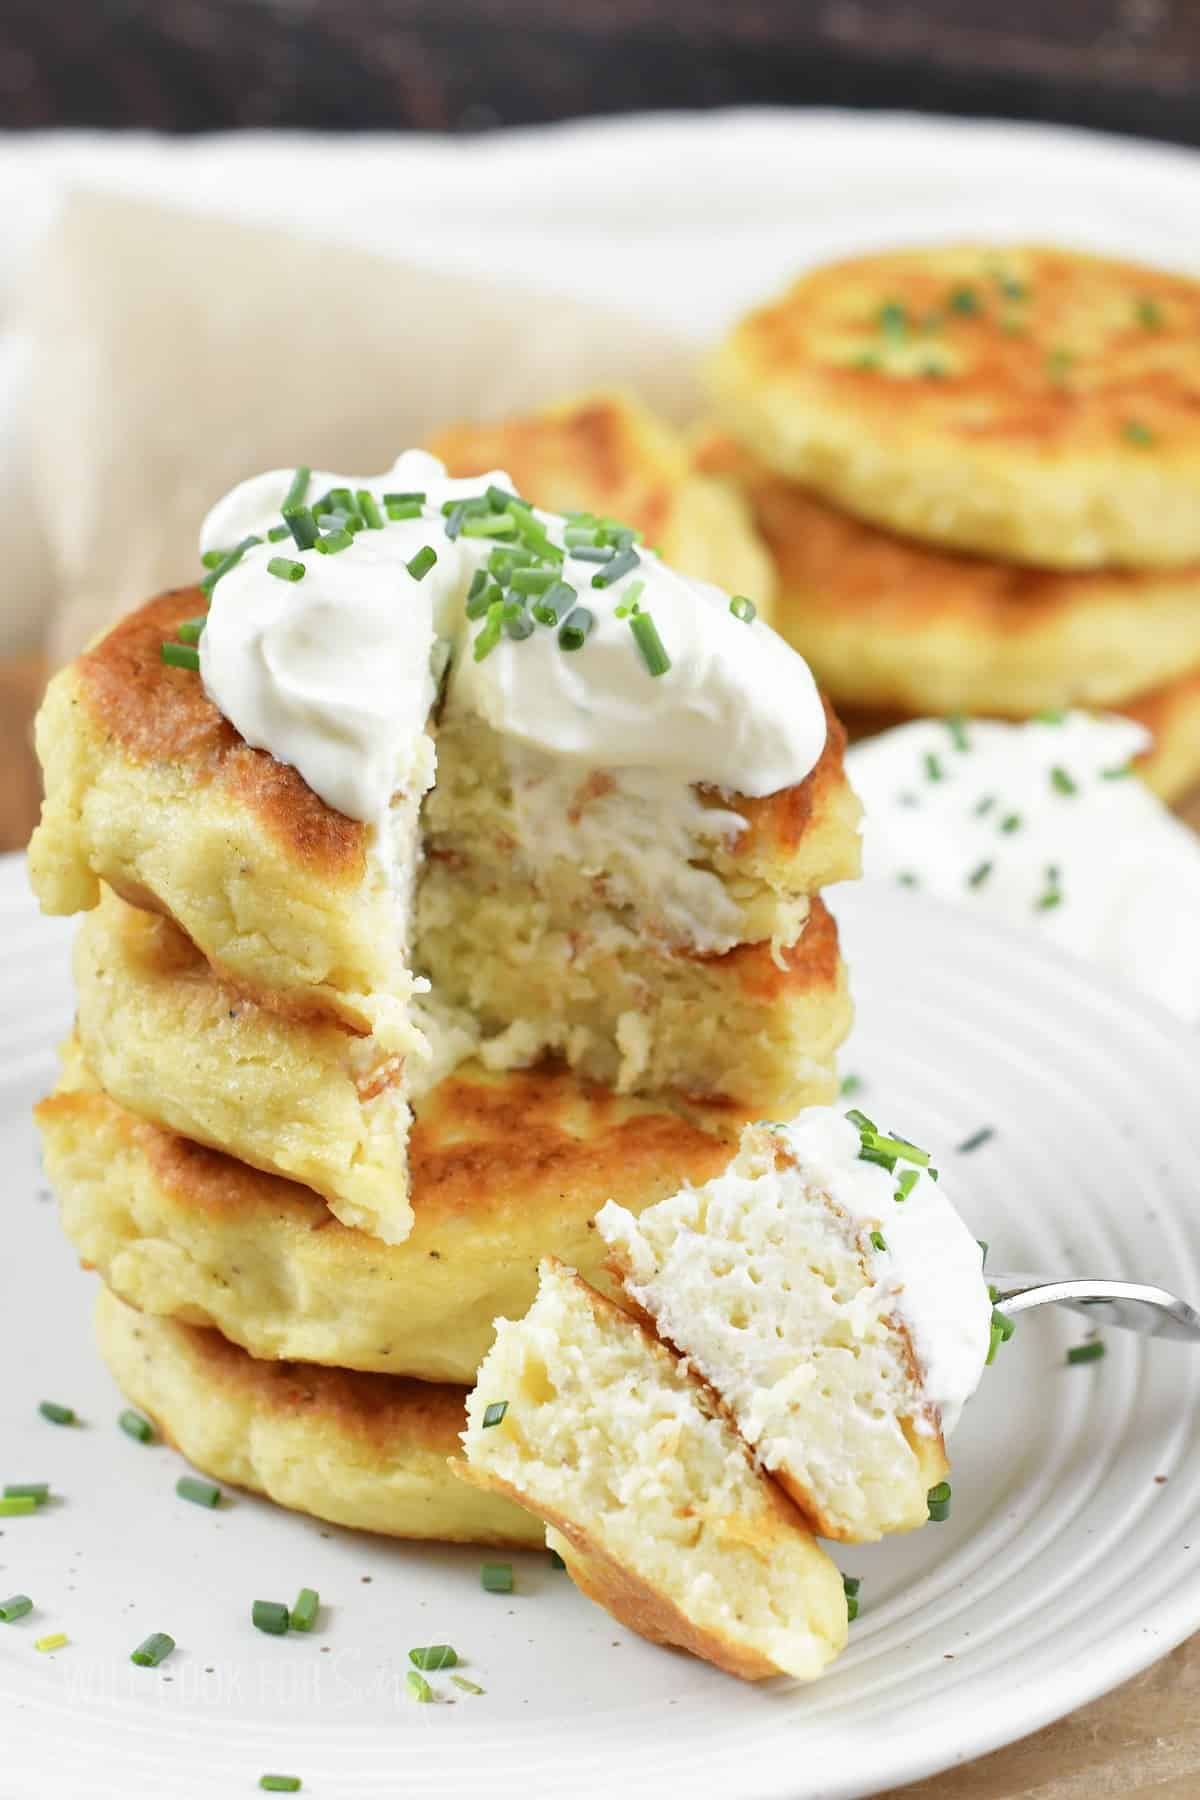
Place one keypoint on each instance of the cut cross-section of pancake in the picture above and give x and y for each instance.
(654, 1503)
(504, 1169)
(605, 453)
(885, 621)
(1024, 401)
(371, 1452)
(832, 1297)
(562, 799)
(302, 1098)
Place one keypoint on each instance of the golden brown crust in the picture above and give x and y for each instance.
(601, 453)
(365, 1451)
(809, 965)
(887, 621)
(1171, 767)
(1024, 400)
(159, 713)
(777, 822)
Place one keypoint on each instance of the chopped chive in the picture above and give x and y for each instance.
(490, 525)
(984, 806)
(743, 609)
(496, 1578)
(16, 1506)
(596, 553)
(533, 581)
(556, 1561)
(135, 1425)
(270, 1616)
(489, 636)
(1134, 432)
(851, 1084)
(906, 878)
(15, 1607)
(499, 499)
(976, 1139)
(907, 1182)
(612, 572)
(333, 542)
(964, 300)
(410, 497)
(1051, 715)
(465, 504)
(482, 593)
(534, 536)
(517, 622)
(1002, 1328)
(304, 1613)
(493, 1414)
(368, 506)
(880, 1158)
(153, 1650)
(302, 524)
(574, 631)
(979, 875)
(280, 1784)
(57, 1415)
(402, 509)
(860, 1121)
(54, 1641)
(1120, 773)
(285, 568)
(649, 643)
(1010, 287)
(1011, 822)
(956, 725)
(938, 1501)
(37, 1491)
(211, 558)
(180, 656)
(632, 601)
(933, 766)
(878, 1241)
(1061, 781)
(200, 1493)
(418, 1687)
(893, 319)
(850, 1587)
(1086, 1353)
(432, 1657)
(898, 1147)
(322, 506)
(419, 565)
(298, 487)
(555, 603)
(468, 1687)
(342, 499)
(277, 533)
(455, 518)
(1149, 314)
(229, 561)
(190, 631)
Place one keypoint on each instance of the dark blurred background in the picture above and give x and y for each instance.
(465, 65)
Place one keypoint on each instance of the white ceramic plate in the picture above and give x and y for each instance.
(1066, 1567)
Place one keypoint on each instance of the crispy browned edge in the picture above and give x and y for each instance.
(160, 714)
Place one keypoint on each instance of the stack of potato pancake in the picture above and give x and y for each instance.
(977, 471)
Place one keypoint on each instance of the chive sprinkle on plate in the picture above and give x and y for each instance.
(304, 1612)
(136, 1425)
(53, 1641)
(938, 1499)
(496, 1578)
(850, 1587)
(432, 1657)
(14, 1608)
(16, 1506)
(37, 1491)
(270, 1616)
(493, 1414)
(280, 1784)
(152, 1650)
(1086, 1353)
(468, 1687)
(418, 1687)
(57, 1415)
(200, 1493)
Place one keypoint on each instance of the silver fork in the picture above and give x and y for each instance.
(1129, 1305)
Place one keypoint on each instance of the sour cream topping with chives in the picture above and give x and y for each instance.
(1045, 826)
(584, 645)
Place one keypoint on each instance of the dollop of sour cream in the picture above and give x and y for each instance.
(1045, 826)
(336, 673)
(931, 1273)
